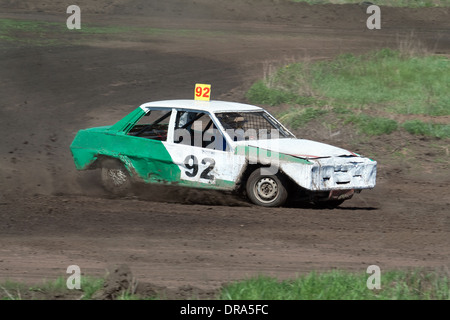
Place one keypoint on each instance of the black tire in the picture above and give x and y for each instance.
(265, 189)
(115, 177)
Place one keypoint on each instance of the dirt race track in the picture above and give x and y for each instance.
(53, 216)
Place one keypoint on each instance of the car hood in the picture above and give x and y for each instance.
(301, 148)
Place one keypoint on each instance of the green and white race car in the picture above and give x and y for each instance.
(224, 146)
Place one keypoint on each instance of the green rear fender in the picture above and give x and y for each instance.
(145, 159)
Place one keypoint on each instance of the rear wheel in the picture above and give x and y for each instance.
(115, 177)
(265, 189)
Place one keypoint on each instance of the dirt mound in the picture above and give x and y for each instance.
(118, 281)
(121, 284)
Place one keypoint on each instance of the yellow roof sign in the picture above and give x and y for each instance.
(202, 92)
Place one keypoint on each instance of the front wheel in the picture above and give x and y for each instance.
(115, 177)
(265, 189)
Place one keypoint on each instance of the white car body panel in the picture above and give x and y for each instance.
(301, 148)
(325, 168)
(331, 168)
(227, 165)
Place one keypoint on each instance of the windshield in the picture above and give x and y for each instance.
(252, 126)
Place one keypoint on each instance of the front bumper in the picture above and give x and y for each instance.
(334, 173)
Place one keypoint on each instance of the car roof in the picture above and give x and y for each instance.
(208, 106)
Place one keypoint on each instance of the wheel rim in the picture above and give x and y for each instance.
(117, 176)
(266, 190)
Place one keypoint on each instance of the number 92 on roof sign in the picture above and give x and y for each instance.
(202, 92)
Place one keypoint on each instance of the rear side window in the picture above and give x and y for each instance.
(154, 125)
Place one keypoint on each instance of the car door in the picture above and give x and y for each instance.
(143, 147)
(201, 152)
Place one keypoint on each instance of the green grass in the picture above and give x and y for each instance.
(298, 117)
(350, 87)
(11, 290)
(391, 3)
(24, 32)
(340, 285)
(372, 126)
(40, 33)
(418, 127)
(43, 28)
(17, 291)
(386, 79)
(260, 92)
(333, 285)
(406, 85)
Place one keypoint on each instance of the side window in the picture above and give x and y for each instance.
(154, 125)
(198, 129)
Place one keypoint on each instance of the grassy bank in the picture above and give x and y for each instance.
(49, 290)
(334, 285)
(340, 285)
(369, 91)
